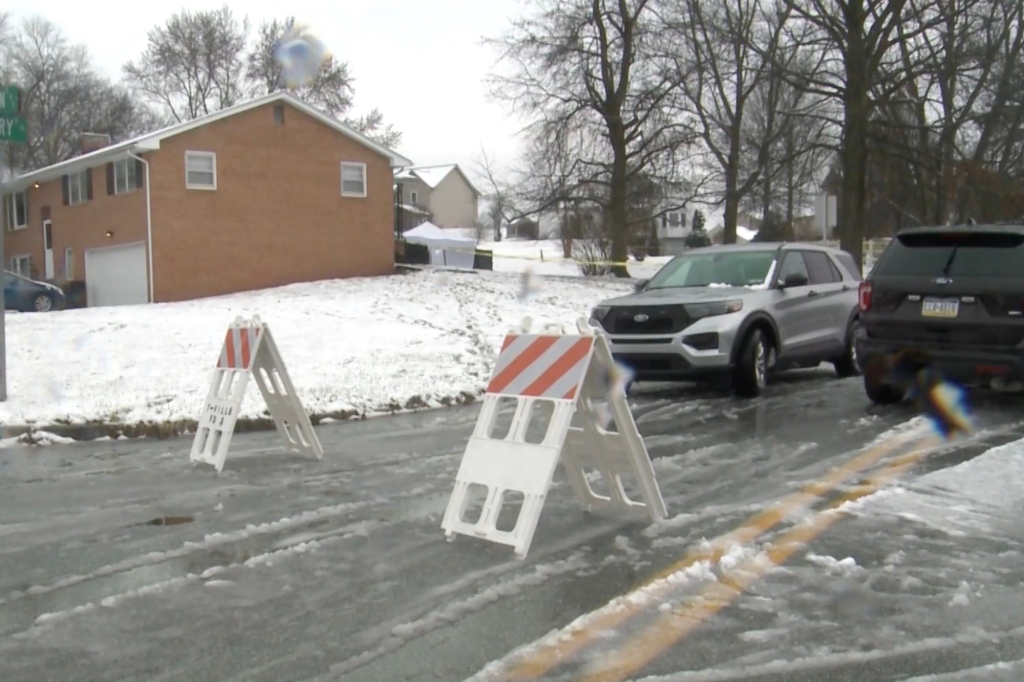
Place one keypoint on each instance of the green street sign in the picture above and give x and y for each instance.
(13, 129)
(10, 100)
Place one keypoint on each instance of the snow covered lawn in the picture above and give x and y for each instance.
(544, 257)
(351, 346)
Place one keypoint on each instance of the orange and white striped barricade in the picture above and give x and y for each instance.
(249, 351)
(569, 372)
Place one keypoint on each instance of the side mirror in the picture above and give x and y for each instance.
(795, 279)
(641, 285)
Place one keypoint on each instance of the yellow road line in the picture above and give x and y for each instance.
(669, 629)
(589, 629)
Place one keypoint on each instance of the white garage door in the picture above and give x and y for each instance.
(116, 275)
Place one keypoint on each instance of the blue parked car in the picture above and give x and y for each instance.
(27, 295)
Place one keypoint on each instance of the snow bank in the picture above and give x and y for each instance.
(974, 497)
(351, 346)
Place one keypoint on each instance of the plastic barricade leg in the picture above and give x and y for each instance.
(612, 454)
(249, 350)
(562, 370)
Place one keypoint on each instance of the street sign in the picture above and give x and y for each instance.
(13, 129)
(10, 100)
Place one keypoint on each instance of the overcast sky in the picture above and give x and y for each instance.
(419, 61)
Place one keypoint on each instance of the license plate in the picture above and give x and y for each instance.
(940, 307)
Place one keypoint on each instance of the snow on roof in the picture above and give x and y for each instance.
(430, 175)
(409, 208)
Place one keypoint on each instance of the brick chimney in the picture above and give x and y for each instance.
(90, 142)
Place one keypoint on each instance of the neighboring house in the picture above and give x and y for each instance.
(262, 194)
(444, 191)
(407, 216)
(673, 228)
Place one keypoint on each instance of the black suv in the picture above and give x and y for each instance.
(955, 296)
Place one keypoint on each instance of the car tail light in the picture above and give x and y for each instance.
(865, 296)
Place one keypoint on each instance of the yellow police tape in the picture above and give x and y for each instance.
(541, 258)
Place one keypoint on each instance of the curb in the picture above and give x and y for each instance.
(171, 429)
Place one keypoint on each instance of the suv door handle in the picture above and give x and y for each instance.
(846, 287)
(812, 293)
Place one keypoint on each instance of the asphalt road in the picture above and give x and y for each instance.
(283, 569)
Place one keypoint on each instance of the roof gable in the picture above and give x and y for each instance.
(432, 176)
(151, 141)
(274, 97)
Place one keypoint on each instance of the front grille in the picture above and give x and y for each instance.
(666, 319)
(653, 362)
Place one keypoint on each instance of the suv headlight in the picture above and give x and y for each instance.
(599, 313)
(700, 310)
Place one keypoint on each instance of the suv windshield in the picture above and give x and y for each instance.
(954, 254)
(722, 268)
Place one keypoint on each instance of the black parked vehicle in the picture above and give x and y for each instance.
(27, 295)
(952, 295)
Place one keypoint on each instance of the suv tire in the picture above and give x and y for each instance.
(881, 393)
(750, 375)
(847, 365)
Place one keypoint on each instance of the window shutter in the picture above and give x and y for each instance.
(5, 219)
(28, 214)
(65, 189)
(140, 174)
(110, 179)
(88, 184)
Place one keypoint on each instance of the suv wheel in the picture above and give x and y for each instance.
(847, 365)
(750, 376)
(881, 393)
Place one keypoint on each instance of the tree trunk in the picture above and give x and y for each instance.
(732, 207)
(766, 197)
(732, 194)
(618, 207)
(852, 195)
(791, 182)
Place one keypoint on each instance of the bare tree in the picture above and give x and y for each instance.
(63, 97)
(859, 64)
(790, 134)
(592, 66)
(500, 209)
(551, 178)
(198, 63)
(373, 126)
(193, 65)
(726, 57)
(330, 90)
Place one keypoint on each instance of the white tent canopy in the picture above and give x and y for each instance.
(445, 248)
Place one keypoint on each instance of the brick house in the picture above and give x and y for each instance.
(262, 194)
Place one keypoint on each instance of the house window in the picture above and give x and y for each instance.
(17, 211)
(126, 177)
(200, 170)
(673, 219)
(412, 196)
(279, 114)
(78, 188)
(69, 263)
(22, 265)
(353, 179)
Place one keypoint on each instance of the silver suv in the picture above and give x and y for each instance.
(742, 311)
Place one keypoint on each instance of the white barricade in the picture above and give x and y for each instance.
(568, 372)
(249, 351)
